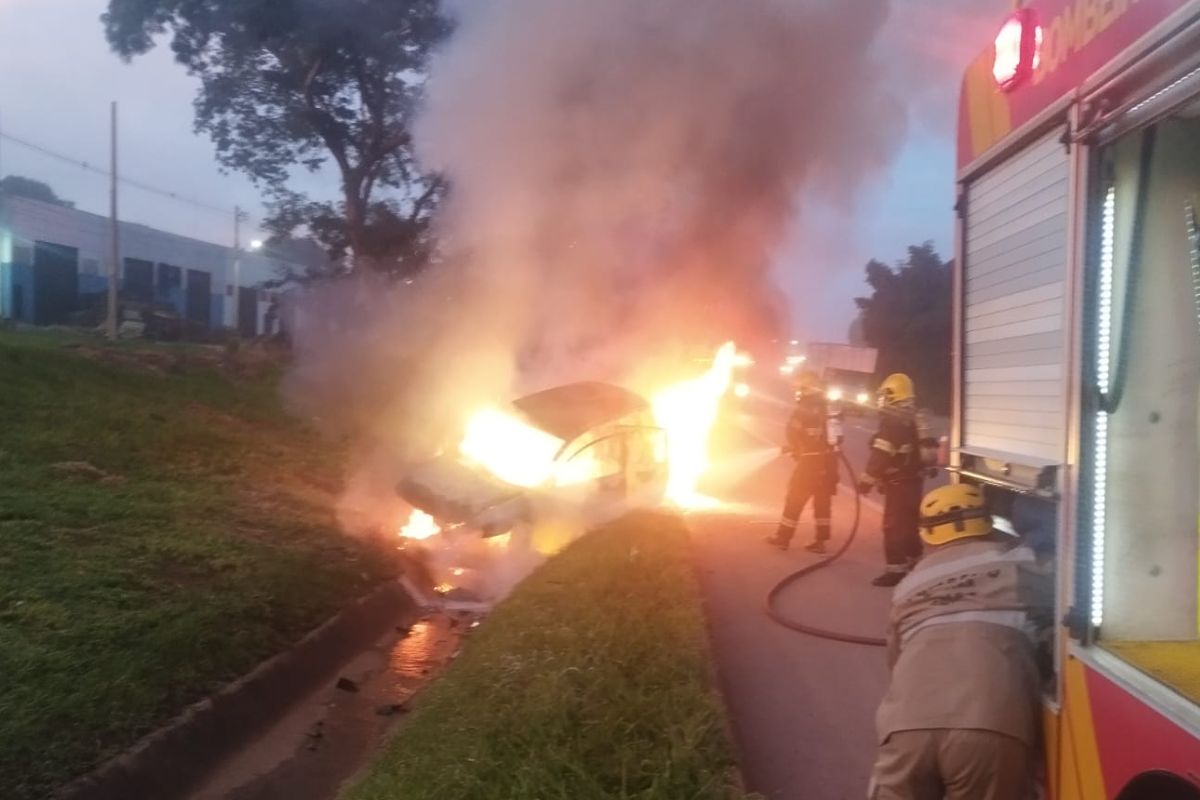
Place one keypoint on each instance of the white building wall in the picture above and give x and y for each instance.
(30, 220)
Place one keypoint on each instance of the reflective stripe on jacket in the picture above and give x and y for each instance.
(894, 448)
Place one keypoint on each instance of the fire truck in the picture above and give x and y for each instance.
(1077, 365)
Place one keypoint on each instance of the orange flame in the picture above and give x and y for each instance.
(420, 526)
(500, 542)
(688, 411)
(510, 449)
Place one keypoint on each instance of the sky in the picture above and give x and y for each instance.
(924, 50)
(58, 77)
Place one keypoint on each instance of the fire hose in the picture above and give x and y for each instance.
(773, 595)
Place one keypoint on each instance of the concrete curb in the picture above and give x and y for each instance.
(169, 761)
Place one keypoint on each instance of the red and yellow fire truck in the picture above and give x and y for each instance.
(1077, 363)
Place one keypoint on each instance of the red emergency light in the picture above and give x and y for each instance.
(1018, 49)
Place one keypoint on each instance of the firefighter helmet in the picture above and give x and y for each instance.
(896, 389)
(808, 382)
(954, 512)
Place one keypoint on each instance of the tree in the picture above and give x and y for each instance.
(310, 83)
(854, 334)
(302, 260)
(20, 186)
(908, 319)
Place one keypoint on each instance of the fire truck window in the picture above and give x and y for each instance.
(1152, 479)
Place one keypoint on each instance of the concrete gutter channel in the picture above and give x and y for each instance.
(173, 761)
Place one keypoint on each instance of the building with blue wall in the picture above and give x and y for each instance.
(54, 261)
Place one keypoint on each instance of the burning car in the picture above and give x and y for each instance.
(529, 478)
(589, 450)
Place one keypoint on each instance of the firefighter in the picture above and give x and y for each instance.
(813, 438)
(895, 466)
(960, 717)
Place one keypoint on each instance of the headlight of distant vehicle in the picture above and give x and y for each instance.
(862, 398)
(834, 394)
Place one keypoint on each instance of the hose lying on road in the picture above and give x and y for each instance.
(789, 580)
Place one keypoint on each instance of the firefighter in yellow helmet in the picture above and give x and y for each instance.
(960, 717)
(896, 466)
(813, 439)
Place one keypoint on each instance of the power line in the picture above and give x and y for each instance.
(134, 184)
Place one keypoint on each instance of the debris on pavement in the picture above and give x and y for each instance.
(315, 735)
(391, 709)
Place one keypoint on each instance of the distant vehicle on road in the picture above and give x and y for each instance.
(848, 372)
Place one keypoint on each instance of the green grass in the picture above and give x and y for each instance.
(213, 546)
(591, 681)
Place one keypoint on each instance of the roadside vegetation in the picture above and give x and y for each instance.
(164, 526)
(591, 681)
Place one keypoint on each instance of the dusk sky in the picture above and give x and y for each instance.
(59, 77)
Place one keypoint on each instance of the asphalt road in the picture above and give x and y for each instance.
(802, 708)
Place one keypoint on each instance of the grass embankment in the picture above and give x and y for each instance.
(591, 681)
(193, 537)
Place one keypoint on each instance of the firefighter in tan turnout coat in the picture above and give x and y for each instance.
(960, 717)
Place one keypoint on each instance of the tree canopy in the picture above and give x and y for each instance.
(908, 319)
(21, 186)
(310, 84)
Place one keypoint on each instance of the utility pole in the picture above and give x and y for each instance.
(115, 257)
(3, 302)
(237, 269)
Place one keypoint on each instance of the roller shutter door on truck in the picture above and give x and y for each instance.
(1015, 270)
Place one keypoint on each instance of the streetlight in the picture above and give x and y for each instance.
(239, 216)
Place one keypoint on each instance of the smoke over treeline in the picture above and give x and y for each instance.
(621, 172)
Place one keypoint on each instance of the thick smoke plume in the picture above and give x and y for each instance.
(621, 173)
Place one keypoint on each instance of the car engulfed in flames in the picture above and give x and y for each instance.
(596, 449)
(592, 448)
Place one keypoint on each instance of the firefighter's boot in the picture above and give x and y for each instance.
(889, 578)
(820, 543)
(781, 539)
(783, 534)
